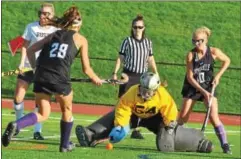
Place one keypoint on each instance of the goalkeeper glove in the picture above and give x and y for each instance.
(118, 133)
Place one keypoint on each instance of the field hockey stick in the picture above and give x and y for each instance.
(209, 109)
(15, 72)
(96, 142)
(108, 81)
(124, 79)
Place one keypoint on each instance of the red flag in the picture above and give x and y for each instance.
(15, 44)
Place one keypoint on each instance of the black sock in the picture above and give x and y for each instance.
(65, 129)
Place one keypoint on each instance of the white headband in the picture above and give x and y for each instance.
(76, 23)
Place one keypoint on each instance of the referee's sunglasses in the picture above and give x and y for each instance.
(199, 41)
(46, 14)
(138, 27)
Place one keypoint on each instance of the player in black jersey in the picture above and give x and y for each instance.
(52, 75)
(200, 79)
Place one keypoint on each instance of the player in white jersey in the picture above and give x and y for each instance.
(33, 32)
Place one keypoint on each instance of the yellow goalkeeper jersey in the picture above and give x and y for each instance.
(131, 102)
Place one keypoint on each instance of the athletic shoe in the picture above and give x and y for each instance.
(38, 136)
(83, 136)
(70, 147)
(226, 148)
(136, 134)
(8, 134)
(86, 137)
(16, 132)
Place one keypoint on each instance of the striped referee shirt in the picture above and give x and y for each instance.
(136, 54)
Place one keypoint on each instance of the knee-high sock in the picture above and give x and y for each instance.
(19, 109)
(27, 120)
(221, 134)
(37, 126)
(65, 129)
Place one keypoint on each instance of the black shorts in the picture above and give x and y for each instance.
(27, 77)
(134, 78)
(188, 91)
(49, 88)
(152, 124)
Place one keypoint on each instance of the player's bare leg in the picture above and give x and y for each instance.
(66, 122)
(185, 111)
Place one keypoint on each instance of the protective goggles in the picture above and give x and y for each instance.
(199, 41)
(46, 14)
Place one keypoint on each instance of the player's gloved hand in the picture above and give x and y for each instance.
(171, 126)
(118, 133)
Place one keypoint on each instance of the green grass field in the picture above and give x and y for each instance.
(168, 24)
(24, 147)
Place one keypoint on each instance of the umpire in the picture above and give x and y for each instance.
(136, 54)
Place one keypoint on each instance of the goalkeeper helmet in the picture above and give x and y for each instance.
(149, 83)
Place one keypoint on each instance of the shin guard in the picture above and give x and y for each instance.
(102, 127)
(192, 140)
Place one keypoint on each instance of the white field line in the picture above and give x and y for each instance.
(25, 130)
(208, 131)
(31, 138)
(144, 133)
(57, 137)
(56, 118)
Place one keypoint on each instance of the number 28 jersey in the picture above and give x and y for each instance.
(55, 59)
(131, 103)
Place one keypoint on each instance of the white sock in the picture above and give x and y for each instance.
(37, 126)
(19, 109)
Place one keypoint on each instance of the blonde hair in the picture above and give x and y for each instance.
(204, 30)
(50, 5)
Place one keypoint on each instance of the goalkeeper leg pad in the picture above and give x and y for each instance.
(191, 140)
(165, 140)
(103, 126)
(205, 146)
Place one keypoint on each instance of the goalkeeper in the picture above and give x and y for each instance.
(148, 105)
